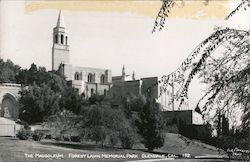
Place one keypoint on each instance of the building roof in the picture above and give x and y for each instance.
(60, 20)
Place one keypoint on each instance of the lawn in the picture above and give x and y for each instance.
(15, 150)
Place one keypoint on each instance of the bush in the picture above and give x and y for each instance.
(65, 138)
(36, 137)
(48, 136)
(58, 138)
(40, 134)
(75, 138)
(128, 138)
(98, 134)
(23, 134)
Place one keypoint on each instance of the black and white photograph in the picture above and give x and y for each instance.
(124, 80)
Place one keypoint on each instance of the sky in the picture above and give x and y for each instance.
(110, 34)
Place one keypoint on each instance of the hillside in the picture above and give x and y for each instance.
(178, 145)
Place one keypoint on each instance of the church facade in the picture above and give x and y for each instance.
(86, 80)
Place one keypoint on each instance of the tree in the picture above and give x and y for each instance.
(37, 103)
(150, 126)
(102, 122)
(133, 104)
(8, 71)
(63, 123)
(167, 5)
(71, 100)
(225, 126)
(226, 71)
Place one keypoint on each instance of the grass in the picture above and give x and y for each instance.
(15, 150)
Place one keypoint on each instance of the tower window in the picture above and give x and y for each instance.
(66, 40)
(102, 79)
(56, 38)
(62, 39)
(105, 92)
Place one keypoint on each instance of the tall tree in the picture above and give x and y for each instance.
(150, 126)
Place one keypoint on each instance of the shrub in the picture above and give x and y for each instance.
(36, 137)
(65, 138)
(23, 134)
(128, 138)
(48, 136)
(98, 134)
(39, 134)
(58, 138)
(75, 138)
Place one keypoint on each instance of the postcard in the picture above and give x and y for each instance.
(124, 80)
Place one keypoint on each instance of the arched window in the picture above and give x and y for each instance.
(90, 78)
(77, 76)
(66, 39)
(102, 79)
(62, 39)
(56, 38)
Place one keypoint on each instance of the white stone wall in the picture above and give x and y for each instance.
(85, 71)
(82, 84)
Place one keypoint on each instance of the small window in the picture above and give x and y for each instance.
(105, 92)
(56, 38)
(66, 40)
(62, 39)
(102, 79)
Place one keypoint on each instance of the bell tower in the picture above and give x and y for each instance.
(60, 49)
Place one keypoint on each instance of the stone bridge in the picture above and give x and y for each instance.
(9, 100)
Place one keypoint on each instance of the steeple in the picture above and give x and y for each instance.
(60, 20)
(60, 49)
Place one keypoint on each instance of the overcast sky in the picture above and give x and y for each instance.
(108, 36)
